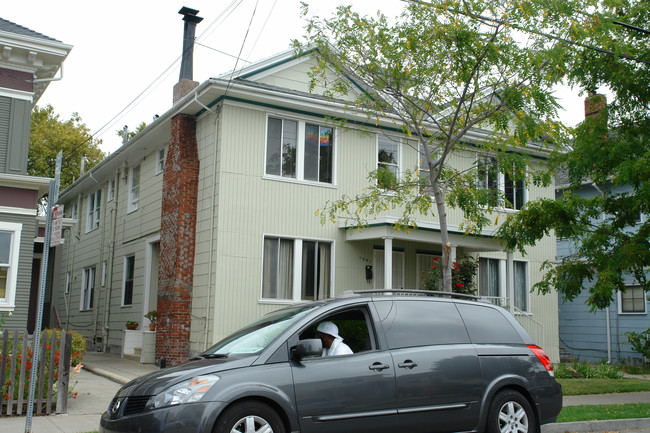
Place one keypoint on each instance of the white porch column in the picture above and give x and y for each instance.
(510, 281)
(452, 253)
(297, 270)
(388, 263)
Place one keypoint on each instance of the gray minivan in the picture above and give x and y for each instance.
(419, 364)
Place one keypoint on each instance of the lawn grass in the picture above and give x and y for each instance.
(602, 386)
(603, 412)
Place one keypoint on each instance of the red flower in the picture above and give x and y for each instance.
(460, 285)
(456, 266)
(433, 266)
(6, 396)
(435, 259)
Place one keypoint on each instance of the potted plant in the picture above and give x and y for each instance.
(132, 325)
(151, 315)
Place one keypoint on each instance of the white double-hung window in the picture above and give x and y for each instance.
(87, 289)
(9, 254)
(492, 279)
(93, 206)
(299, 150)
(513, 191)
(134, 188)
(296, 269)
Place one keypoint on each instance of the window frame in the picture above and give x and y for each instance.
(87, 293)
(7, 303)
(298, 172)
(621, 300)
(125, 280)
(110, 189)
(500, 184)
(93, 210)
(502, 284)
(296, 277)
(160, 160)
(133, 202)
(397, 172)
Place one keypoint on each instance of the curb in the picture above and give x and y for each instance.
(106, 374)
(598, 426)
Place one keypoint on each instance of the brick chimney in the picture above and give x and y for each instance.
(186, 81)
(595, 104)
(178, 224)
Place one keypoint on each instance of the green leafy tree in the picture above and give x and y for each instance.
(610, 150)
(131, 134)
(51, 134)
(438, 74)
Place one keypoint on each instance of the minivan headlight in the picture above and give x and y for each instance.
(185, 392)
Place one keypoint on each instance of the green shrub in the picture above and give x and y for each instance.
(587, 371)
(640, 342)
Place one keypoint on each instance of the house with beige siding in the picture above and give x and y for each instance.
(208, 217)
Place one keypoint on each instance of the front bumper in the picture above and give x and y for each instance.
(196, 417)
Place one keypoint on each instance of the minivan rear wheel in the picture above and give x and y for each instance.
(249, 417)
(510, 412)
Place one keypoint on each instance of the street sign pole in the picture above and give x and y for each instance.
(52, 198)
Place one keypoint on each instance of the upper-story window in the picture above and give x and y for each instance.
(9, 254)
(87, 289)
(110, 194)
(513, 191)
(134, 188)
(388, 154)
(160, 162)
(299, 150)
(93, 206)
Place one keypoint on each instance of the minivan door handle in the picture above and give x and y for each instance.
(407, 364)
(378, 366)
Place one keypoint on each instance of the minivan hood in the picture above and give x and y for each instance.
(157, 381)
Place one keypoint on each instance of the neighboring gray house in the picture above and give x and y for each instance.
(600, 335)
(28, 62)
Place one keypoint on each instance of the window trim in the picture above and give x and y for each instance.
(87, 293)
(501, 184)
(133, 202)
(124, 280)
(161, 156)
(296, 284)
(632, 313)
(300, 151)
(400, 145)
(8, 303)
(93, 215)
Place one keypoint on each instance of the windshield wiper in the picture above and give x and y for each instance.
(214, 355)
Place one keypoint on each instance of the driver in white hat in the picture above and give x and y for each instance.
(333, 344)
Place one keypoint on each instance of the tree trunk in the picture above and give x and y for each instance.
(438, 196)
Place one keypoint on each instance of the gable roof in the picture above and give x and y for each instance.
(11, 27)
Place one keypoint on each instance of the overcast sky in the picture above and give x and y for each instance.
(125, 56)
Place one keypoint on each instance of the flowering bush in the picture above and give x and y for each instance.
(463, 273)
(12, 376)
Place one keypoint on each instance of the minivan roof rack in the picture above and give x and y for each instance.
(414, 292)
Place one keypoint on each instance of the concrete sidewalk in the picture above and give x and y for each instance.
(104, 373)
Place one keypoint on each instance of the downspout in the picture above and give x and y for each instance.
(101, 266)
(109, 271)
(212, 214)
(607, 318)
(47, 80)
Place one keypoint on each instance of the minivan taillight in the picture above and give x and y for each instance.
(543, 358)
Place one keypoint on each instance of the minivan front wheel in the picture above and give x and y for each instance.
(249, 417)
(510, 412)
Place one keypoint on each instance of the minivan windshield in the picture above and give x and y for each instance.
(256, 336)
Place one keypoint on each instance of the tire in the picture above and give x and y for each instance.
(249, 417)
(510, 412)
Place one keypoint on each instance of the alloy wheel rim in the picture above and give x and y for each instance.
(513, 418)
(252, 424)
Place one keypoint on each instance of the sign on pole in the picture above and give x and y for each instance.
(56, 238)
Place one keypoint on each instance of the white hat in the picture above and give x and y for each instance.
(328, 328)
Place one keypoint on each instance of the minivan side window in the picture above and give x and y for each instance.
(353, 326)
(500, 331)
(416, 323)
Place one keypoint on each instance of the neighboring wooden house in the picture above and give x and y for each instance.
(600, 335)
(28, 62)
(208, 216)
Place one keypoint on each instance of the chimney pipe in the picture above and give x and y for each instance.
(186, 81)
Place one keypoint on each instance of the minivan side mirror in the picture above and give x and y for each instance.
(307, 347)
